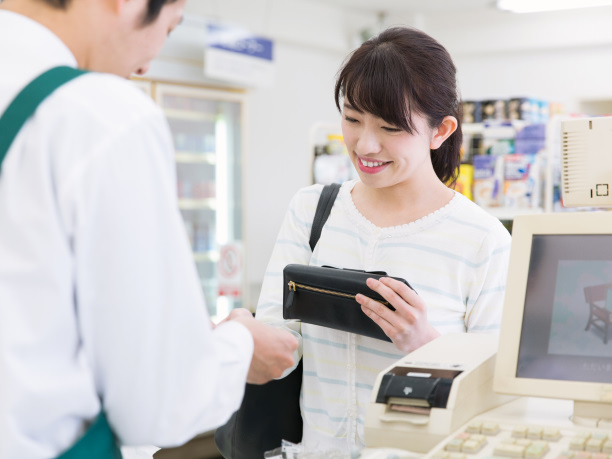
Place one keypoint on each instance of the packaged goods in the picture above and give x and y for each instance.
(498, 138)
(496, 109)
(524, 108)
(472, 111)
(521, 180)
(531, 139)
(488, 180)
(465, 180)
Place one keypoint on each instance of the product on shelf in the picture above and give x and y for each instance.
(472, 111)
(203, 190)
(201, 236)
(185, 190)
(496, 109)
(471, 146)
(464, 180)
(332, 169)
(332, 163)
(335, 145)
(498, 138)
(194, 143)
(488, 180)
(521, 181)
(528, 109)
(530, 139)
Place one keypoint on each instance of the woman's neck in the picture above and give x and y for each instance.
(399, 204)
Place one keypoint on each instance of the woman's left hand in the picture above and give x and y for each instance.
(407, 326)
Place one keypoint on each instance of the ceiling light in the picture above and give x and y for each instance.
(533, 6)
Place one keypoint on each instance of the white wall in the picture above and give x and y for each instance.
(279, 161)
(564, 56)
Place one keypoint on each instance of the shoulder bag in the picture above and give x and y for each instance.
(270, 412)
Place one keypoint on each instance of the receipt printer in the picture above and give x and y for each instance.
(430, 393)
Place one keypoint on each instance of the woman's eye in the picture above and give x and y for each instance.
(391, 129)
(349, 119)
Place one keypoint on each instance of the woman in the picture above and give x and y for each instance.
(401, 122)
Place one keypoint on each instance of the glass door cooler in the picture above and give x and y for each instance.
(207, 129)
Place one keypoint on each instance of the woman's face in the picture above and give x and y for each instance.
(385, 155)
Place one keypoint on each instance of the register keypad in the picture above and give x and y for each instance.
(483, 439)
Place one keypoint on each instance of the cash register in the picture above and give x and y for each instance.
(430, 393)
(555, 344)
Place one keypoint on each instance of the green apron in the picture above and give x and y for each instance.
(98, 442)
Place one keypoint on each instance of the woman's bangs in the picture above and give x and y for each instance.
(379, 94)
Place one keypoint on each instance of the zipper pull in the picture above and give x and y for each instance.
(287, 306)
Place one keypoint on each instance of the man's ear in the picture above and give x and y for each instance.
(118, 6)
(130, 11)
(443, 132)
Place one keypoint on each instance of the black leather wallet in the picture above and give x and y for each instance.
(325, 296)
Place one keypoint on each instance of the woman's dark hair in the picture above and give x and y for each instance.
(400, 72)
(154, 7)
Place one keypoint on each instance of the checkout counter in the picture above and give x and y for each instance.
(445, 389)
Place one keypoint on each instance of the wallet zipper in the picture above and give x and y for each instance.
(293, 287)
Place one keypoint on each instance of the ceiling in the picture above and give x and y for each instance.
(413, 6)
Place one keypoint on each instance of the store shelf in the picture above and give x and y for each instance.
(196, 204)
(478, 128)
(195, 157)
(210, 256)
(189, 115)
(472, 128)
(509, 213)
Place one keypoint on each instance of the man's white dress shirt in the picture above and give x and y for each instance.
(99, 296)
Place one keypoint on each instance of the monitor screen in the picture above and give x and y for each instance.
(559, 292)
(559, 337)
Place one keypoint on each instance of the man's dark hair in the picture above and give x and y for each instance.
(154, 7)
(400, 72)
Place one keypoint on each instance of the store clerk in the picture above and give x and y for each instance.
(101, 309)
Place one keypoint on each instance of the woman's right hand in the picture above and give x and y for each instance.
(407, 326)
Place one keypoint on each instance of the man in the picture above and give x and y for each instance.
(101, 309)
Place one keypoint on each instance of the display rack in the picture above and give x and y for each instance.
(545, 203)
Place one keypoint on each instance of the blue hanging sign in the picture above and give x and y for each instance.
(234, 54)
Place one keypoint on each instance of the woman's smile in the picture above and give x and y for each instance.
(371, 167)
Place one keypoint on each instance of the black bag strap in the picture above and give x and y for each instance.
(270, 412)
(324, 206)
(27, 101)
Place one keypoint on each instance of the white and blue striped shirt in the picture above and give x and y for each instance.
(456, 258)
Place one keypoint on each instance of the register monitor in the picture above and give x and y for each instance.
(556, 334)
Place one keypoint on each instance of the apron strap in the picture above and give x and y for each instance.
(99, 441)
(26, 102)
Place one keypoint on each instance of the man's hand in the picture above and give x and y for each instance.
(273, 350)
